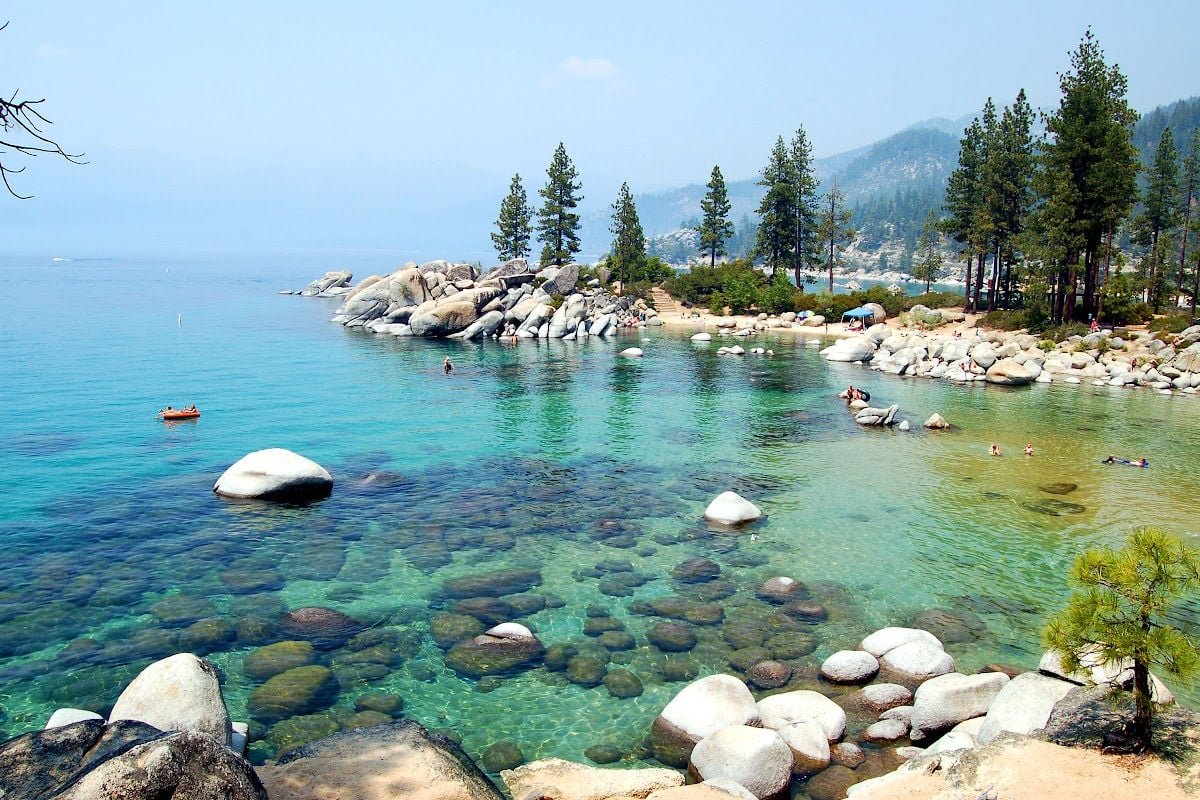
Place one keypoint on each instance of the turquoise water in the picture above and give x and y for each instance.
(554, 456)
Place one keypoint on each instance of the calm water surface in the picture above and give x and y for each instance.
(555, 456)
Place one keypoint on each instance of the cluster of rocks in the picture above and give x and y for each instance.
(441, 299)
(907, 684)
(1017, 359)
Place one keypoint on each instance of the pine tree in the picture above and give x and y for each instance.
(1008, 193)
(805, 248)
(558, 226)
(834, 227)
(1121, 615)
(1089, 169)
(964, 197)
(929, 268)
(1190, 184)
(715, 229)
(512, 228)
(628, 257)
(1160, 212)
(777, 213)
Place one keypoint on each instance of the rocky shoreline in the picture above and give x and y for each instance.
(1167, 364)
(441, 299)
(886, 715)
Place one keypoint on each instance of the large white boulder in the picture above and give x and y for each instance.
(702, 336)
(780, 710)
(754, 758)
(856, 348)
(179, 693)
(850, 666)
(886, 639)
(275, 474)
(944, 701)
(631, 352)
(809, 746)
(701, 709)
(917, 661)
(730, 508)
(1095, 670)
(1007, 372)
(880, 697)
(961, 736)
(1023, 705)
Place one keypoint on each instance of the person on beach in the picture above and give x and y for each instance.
(1095, 326)
(447, 367)
(1029, 448)
(995, 449)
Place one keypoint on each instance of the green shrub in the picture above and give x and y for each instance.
(1060, 333)
(1046, 345)
(716, 303)
(1005, 320)
(1172, 323)
(934, 300)
(779, 296)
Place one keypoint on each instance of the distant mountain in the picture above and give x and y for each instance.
(1182, 117)
(891, 184)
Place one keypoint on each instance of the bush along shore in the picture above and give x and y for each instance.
(1168, 363)
(440, 299)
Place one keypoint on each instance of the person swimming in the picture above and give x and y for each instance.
(1136, 462)
(995, 449)
(447, 367)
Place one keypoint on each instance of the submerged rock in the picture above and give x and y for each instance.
(275, 474)
(326, 628)
(297, 691)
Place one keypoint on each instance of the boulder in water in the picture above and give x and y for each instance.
(730, 508)
(326, 628)
(754, 758)
(700, 709)
(180, 693)
(275, 474)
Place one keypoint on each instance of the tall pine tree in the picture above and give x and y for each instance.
(834, 227)
(558, 225)
(805, 248)
(1190, 183)
(1008, 191)
(777, 211)
(715, 229)
(1088, 176)
(1160, 213)
(628, 257)
(964, 197)
(929, 268)
(511, 238)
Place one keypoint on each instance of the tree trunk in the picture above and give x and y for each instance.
(1196, 284)
(978, 281)
(994, 284)
(1143, 710)
(1072, 288)
(1183, 240)
(967, 289)
(1152, 288)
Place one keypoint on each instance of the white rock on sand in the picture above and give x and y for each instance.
(1023, 705)
(275, 474)
(179, 693)
(563, 780)
(730, 508)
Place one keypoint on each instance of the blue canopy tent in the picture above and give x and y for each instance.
(861, 313)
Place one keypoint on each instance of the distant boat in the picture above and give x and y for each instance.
(179, 413)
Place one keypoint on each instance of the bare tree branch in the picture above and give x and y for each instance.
(22, 134)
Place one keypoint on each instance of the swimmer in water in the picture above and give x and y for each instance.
(447, 367)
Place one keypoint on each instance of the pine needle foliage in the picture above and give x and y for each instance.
(1119, 615)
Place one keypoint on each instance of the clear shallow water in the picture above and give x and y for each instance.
(552, 456)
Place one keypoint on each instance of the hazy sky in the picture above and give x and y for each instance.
(390, 125)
